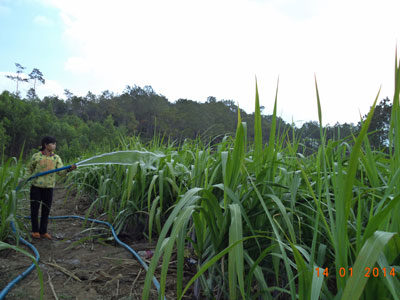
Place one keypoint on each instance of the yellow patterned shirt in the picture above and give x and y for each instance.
(42, 163)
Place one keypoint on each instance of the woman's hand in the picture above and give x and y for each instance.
(73, 167)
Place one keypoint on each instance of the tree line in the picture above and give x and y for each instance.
(84, 124)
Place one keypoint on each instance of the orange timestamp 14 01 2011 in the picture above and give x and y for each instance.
(368, 272)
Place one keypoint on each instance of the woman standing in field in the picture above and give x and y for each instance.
(42, 187)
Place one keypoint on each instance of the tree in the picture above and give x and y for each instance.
(68, 94)
(18, 77)
(380, 124)
(36, 75)
(310, 136)
(211, 99)
(31, 94)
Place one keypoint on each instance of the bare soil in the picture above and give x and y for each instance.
(82, 261)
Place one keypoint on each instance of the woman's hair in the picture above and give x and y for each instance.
(47, 140)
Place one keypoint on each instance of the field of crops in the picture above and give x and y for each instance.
(260, 221)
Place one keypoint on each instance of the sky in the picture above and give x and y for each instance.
(190, 49)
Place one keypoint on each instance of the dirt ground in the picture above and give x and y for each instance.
(76, 266)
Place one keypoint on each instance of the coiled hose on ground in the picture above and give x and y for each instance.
(11, 284)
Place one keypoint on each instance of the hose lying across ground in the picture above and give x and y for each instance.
(10, 285)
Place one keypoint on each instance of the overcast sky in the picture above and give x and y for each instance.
(195, 49)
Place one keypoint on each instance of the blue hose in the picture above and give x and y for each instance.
(17, 279)
(137, 256)
(4, 292)
(40, 174)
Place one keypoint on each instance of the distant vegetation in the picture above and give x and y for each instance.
(84, 124)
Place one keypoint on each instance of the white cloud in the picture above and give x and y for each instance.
(189, 49)
(77, 65)
(43, 21)
(5, 83)
(50, 88)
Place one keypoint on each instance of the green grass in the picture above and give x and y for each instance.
(10, 172)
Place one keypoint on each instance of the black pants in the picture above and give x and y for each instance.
(39, 196)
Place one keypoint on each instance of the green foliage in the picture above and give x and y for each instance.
(91, 123)
(25, 122)
(11, 172)
(380, 124)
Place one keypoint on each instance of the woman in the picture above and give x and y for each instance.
(42, 187)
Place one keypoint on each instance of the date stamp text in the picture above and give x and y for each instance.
(368, 272)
